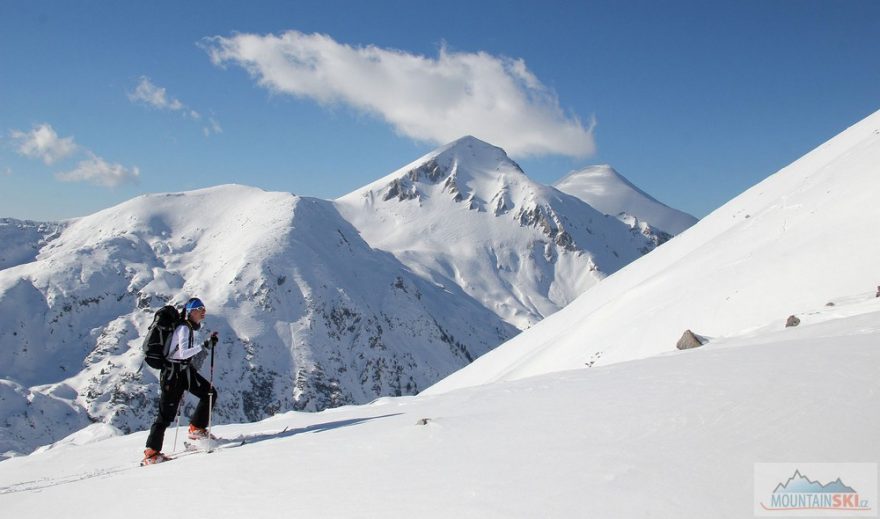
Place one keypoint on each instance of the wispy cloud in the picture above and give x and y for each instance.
(150, 94)
(157, 97)
(43, 143)
(436, 100)
(7, 172)
(95, 170)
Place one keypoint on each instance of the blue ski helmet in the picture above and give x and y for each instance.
(193, 304)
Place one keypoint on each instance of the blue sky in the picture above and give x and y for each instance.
(692, 101)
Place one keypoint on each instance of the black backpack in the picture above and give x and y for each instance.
(158, 336)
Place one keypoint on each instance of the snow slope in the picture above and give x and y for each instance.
(466, 215)
(309, 315)
(675, 435)
(789, 245)
(608, 191)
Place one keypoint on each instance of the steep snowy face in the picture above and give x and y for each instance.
(610, 192)
(794, 244)
(309, 315)
(466, 215)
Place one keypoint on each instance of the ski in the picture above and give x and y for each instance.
(211, 445)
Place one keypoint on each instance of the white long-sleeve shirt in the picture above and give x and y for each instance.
(179, 348)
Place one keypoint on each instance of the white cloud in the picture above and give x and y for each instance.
(155, 96)
(437, 100)
(43, 143)
(95, 170)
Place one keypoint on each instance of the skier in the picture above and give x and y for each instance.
(179, 374)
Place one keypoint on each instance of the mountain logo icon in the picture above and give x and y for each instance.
(800, 483)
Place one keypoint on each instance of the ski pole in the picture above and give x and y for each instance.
(211, 391)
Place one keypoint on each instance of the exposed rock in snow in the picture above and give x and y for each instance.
(689, 340)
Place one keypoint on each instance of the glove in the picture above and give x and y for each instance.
(211, 341)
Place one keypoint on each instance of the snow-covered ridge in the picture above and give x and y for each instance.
(610, 192)
(789, 245)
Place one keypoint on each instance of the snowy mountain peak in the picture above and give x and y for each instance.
(602, 179)
(466, 214)
(608, 191)
(474, 155)
(466, 170)
(471, 145)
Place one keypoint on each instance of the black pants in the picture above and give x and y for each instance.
(173, 381)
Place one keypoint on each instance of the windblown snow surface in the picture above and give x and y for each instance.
(590, 413)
